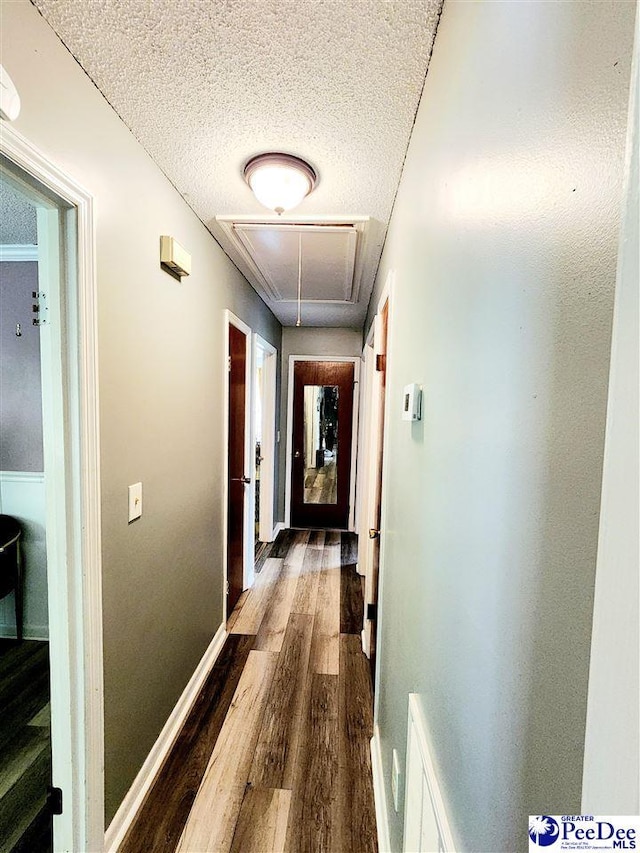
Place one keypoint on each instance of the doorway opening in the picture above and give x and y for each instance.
(321, 442)
(239, 525)
(58, 715)
(25, 692)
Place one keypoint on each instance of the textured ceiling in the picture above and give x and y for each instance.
(17, 218)
(206, 85)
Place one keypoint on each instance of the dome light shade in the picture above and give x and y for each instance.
(279, 181)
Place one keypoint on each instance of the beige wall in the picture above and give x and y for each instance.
(308, 341)
(503, 243)
(161, 381)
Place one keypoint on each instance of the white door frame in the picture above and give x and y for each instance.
(230, 319)
(268, 445)
(354, 432)
(363, 487)
(72, 465)
(369, 459)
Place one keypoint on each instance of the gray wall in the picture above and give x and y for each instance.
(161, 346)
(307, 341)
(20, 387)
(503, 243)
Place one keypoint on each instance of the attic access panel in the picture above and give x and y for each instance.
(328, 259)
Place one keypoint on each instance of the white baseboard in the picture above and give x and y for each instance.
(380, 797)
(276, 530)
(134, 798)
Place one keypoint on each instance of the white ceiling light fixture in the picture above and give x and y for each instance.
(279, 181)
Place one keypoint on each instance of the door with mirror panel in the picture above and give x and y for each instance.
(322, 435)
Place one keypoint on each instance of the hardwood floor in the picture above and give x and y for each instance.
(275, 753)
(25, 747)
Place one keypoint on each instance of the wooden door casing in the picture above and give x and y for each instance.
(236, 462)
(341, 374)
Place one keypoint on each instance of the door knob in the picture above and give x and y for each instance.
(297, 454)
(245, 480)
(373, 533)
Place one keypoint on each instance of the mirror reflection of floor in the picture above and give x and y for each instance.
(321, 484)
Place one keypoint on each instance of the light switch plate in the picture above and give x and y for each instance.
(395, 778)
(135, 501)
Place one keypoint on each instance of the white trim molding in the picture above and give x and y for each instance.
(18, 253)
(379, 795)
(147, 774)
(277, 530)
(426, 821)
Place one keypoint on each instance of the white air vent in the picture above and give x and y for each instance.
(330, 253)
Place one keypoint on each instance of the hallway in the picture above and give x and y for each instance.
(275, 753)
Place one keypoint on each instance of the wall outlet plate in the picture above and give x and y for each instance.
(395, 778)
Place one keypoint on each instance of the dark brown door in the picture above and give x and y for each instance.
(375, 533)
(322, 433)
(237, 479)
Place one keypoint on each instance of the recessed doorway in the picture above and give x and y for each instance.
(321, 445)
(62, 609)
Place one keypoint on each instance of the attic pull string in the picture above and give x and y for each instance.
(299, 320)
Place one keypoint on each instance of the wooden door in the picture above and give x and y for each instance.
(237, 479)
(375, 531)
(322, 435)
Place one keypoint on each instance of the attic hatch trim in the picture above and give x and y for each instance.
(232, 226)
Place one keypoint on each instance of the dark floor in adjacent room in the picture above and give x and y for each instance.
(25, 747)
(274, 755)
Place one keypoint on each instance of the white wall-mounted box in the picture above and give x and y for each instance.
(174, 257)
(412, 403)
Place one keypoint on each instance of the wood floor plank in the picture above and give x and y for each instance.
(25, 744)
(282, 544)
(349, 545)
(276, 748)
(312, 821)
(161, 820)
(235, 613)
(214, 814)
(294, 557)
(262, 824)
(274, 625)
(325, 643)
(272, 629)
(306, 594)
(258, 599)
(263, 550)
(355, 805)
(351, 598)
